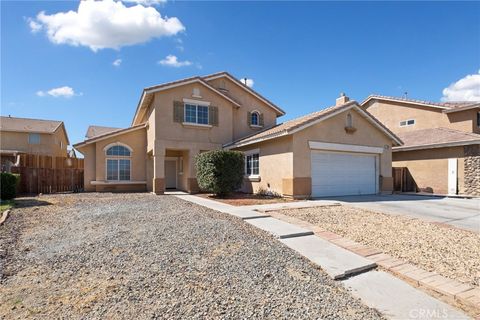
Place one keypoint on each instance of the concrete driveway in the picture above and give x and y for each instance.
(461, 213)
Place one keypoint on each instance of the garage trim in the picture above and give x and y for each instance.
(343, 147)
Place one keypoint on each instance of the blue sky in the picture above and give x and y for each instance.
(299, 55)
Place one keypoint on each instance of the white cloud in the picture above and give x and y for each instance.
(117, 62)
(172, 61)
(146, 2)
(106, 24)
(34, 26)
(465, 89)
(64, 92)
(249, 82)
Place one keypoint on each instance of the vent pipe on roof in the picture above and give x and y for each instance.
(342, 99)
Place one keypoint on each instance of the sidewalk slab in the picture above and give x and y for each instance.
(291, 205)
(395, 299)
(222, 207)
(336, 261)
(279, 228)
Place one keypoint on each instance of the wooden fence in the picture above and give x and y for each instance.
(46, 174)
(45, 180)
(403, 180)
(48, 162)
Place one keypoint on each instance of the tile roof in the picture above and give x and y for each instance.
(444, 105)
(94, 131)
(109, 134)
(289, 126)
(426, 138)
(29, 125)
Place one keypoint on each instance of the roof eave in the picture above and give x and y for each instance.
(464, 108)
(436, 145)
(108, 135)
(369, 98)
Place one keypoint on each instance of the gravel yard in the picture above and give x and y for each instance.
(142, 256)
(453, 253)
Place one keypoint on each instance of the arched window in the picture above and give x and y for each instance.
(349, 121)
(118, 150)
(118, 163)
(255, 120)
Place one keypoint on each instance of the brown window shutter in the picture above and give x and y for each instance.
(178, 111)
(260, 119)
(249, 118)
(213, 115)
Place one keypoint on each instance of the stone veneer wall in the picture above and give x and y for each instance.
(472, 169)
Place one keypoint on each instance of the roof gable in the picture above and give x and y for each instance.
(14, 124)
(147, 94)
(249, 90)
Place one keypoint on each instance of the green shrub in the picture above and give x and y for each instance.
(220, 171)
(9, 184)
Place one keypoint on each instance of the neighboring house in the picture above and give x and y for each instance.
(339, 150)
(32, 136)
(441, 141)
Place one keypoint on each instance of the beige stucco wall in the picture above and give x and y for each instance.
(429, 168)
(391, 113)
(275, 164)
(167, 129)
(50, 144)
(285, 163)
(332, 130)
(89, 166)
(95, 161)
(248, 103)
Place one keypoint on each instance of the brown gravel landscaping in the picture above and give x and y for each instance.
(451, 252)
(141, 256)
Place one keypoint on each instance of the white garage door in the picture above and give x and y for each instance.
(341, 174)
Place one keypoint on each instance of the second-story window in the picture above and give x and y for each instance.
(406, 123)
(34, 138)
(478, 119)
(255, 120)
(196, 114)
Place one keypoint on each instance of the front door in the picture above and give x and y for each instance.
(452, 176)
(170, 174)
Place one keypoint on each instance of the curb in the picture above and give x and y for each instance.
(4, 216)
(452, 291)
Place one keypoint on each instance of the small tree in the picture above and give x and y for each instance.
(8, 186)
(220, 171)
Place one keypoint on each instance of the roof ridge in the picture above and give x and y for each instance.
(473, 134)
(46, 120)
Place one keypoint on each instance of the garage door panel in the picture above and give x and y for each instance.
(335, 174)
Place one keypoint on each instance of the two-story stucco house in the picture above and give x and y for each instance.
(441, 141)
(32, 136)
(339, 150)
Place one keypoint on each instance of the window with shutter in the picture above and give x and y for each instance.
(178, 114)
(213, 116)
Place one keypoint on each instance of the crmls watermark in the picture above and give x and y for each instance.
(421, 313)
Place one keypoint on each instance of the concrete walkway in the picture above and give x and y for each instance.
(391, 296)
(461, 213)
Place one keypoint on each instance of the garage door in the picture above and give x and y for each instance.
(341, 174)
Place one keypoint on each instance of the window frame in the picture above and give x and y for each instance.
(118, 159)
(257, 114)
(405, 123)
(197, 108)
(478, 119)
(33, 134)
(251, 153)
